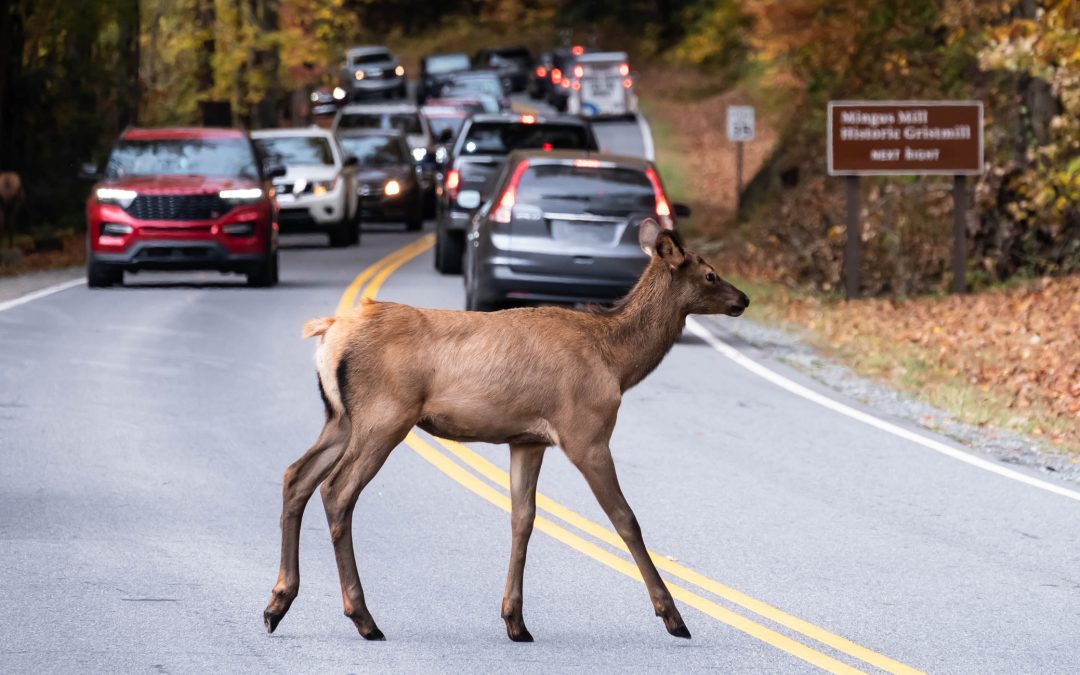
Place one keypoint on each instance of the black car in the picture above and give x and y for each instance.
(477, 83)
(563, 227)
(480, 148)
(513, 64)
(387, 178)
(540, 77)
(560, 76)
(436, 70)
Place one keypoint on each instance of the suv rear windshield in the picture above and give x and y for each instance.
(375, 150)
(296, 150)
(501, 138)
(520, 54)
(406, 122)
(603, 191)
(228, 157)
(446, 63)
(374, 57)
(484, 85)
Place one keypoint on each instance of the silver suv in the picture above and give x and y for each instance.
(372, 72)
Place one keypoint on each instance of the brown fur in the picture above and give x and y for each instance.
(532, 378)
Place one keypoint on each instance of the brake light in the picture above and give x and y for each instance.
(565, 84)
(556, 75)
(576, 85)
(541, 71)
(624, 69)
(453, 181)
(547, 147)
(505, 210)
(663, 209)
(627, 83)
(590, 163)
(577, 50)
(579, 70)
(528, 119)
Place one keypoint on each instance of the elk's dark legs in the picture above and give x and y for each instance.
(525, 463)
(599, 471)
(367, 451)
(300, 481)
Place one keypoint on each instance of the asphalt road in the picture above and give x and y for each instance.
(144, 431)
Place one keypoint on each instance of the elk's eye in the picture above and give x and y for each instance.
(711, 278)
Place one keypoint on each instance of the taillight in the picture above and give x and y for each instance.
(624, 69)
(505, 209)
(556, 75)
(528, 119)
(541, 71)
(576, 85)
(565, 84)
(579, 70)
(663, 209)
(577, 50)
(589, 163)
(627, 83)
(453, 181)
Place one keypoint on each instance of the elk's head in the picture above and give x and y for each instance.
(696, 285)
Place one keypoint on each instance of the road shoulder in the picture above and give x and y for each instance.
(15, 287)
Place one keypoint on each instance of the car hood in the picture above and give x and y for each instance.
(179, 184)
(309, 173)
(376, 174)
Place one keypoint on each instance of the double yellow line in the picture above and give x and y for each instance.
(442, 457)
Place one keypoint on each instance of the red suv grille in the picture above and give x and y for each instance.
(176, 207)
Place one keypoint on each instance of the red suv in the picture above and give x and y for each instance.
(187, 199)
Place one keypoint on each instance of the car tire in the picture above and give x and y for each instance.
(449, 250)
(100, 275)
(266, 274)
(341, 234)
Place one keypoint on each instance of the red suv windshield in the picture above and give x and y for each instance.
(225, 157)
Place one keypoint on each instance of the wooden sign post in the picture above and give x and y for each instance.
(740, 129)
(882, 138)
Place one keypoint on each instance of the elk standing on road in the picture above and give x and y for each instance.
(532, 378)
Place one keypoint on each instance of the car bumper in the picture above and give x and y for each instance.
(380, 208)
(499, 282)
(178, 254)
(312, 212)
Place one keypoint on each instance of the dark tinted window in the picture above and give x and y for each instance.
(375, 57)
(231, 157)
(518, 55)
(408, 123)
(296, 150)
(601, 191)
(446, 63)
(374, 150)
(500, 138)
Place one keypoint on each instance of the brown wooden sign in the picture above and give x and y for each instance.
(905, 137)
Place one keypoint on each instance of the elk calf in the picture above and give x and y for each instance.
(531, 378)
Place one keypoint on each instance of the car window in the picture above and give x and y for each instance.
(488, 102)
(296, 150)
(438, 124)
(486, 85)
(228, 157)
(517, 55)
(375, 150)
(405, 122)
(446, 63)
(374, 57)
(597, 190)
(500, 138)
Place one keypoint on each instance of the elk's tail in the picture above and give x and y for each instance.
(317, 327)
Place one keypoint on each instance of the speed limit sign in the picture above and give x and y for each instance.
(740, 123)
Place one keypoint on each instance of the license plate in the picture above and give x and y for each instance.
(602, 88)
(582, 233)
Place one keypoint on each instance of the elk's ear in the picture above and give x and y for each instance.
(669, 248)
(647, 233)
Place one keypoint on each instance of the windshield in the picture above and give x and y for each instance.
(500, 138)
(486, 85)
(519, 55)
(600, 191)
(374, 150)
(406, 122)
(446, 63)
(294, 150)
(374, 57)
(226, 157)
(438, 124)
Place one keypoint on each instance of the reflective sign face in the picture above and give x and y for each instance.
(904, 137)
(740, 123)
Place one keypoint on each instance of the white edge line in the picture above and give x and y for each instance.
(799, 390)
(646, 137)
(41, 293)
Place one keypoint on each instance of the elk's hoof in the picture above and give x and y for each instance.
(271, 620)
(522, 635)
(680, 631)
(374, 635)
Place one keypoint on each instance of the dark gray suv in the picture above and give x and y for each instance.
(562, 227)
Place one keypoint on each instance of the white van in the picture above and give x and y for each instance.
(601, 86)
